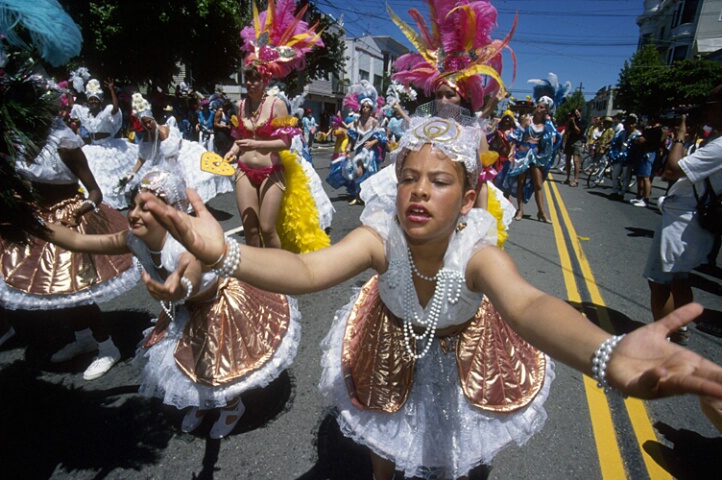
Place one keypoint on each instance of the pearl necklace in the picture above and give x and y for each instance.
(448, 287)
(415, 270)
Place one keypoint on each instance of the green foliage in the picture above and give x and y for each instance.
(638, 82)
(649, 87)
(323, 61)
(575, 100)
(135, 42)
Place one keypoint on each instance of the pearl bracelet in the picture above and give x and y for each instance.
(231, 260)
(601, 358)
(189, 289)
(88, 201)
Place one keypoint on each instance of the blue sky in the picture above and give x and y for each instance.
(583, 41)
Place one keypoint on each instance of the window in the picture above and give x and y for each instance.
(689, 13)
(378, 82)
(363, 75)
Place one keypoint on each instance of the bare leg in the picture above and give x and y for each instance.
(271, 196)
(482, 199)
(536, 181)
(520, 196)
(577, 161)
(666, 298)
(382, 469)
(248, 206)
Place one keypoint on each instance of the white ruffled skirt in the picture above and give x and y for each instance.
(436, 433)
(109, 161)
(162, 378)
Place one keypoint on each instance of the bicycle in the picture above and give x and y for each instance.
(587, 158)
(597, 169)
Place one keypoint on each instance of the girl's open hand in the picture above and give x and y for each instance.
(170, 290)
(202, 235)
(646, 365)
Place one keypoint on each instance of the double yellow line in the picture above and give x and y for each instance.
(608, 451)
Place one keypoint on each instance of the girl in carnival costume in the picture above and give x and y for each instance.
(272, 191)
(457, 62)
(108, 157)
(536, 143)
(26, 123)
(163, 147)
(367, 141)
(413, 352)
(41, 276)
(215, 337)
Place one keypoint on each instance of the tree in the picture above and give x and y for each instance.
(139, 42)
(638, 82)
(573, 101)
(648, 87)
(323, 61)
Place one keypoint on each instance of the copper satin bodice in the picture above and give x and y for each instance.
(499, 372)
(230, 336)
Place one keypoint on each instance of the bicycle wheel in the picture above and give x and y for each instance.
(587, 161)
(596, 173)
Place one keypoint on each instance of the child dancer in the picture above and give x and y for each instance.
(215, 337)
(411, 353)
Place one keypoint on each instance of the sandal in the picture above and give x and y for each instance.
(574, 184)
(227, 420)
(565, 182)
(192, 419)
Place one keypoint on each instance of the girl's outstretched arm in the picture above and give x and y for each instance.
(110, 244)
(644, 364)
(274, 270)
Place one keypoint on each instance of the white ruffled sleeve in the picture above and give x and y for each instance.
(68, 139)
(378, 192)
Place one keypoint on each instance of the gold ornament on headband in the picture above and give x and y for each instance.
(438, 130)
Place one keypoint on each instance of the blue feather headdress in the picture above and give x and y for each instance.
(52, 32)
(550, 88)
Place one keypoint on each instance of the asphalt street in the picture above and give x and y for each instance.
(55, 425)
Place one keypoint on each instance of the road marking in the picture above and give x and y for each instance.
(636, 409)
(234, 230)
(605, 439)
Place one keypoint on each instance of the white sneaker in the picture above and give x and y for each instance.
(102, 363)
(7, 336)
(635, 201)
(640, 203)
(74, 349)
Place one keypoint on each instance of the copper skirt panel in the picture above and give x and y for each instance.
(499, 372)
(232, 335)
(42, 268)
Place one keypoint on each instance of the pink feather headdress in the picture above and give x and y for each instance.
(360, 93)
(456, 50)
(278, 40)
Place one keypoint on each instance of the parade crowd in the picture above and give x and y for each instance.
(439, 188)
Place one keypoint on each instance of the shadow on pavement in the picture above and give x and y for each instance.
(604, 317)
(45, 426)
(340, 458)
(691, 455)
(639, 232)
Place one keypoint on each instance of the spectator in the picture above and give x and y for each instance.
(309, 127)
(619, 157)
(222, 128)
(680, 243)
(205, 124)
(574, 131)
(617, 124)
(649, 144)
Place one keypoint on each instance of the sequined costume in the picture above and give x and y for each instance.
(472, 394)
(233, 339)
(298, 223)
(43, 276)
(535, 146)
(109, 158)
(342, 173)
(182, 157)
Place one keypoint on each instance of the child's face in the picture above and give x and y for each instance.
(431, 194)
(141, 221)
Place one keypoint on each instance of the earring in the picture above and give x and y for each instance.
(396, 219)
(460, 226)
